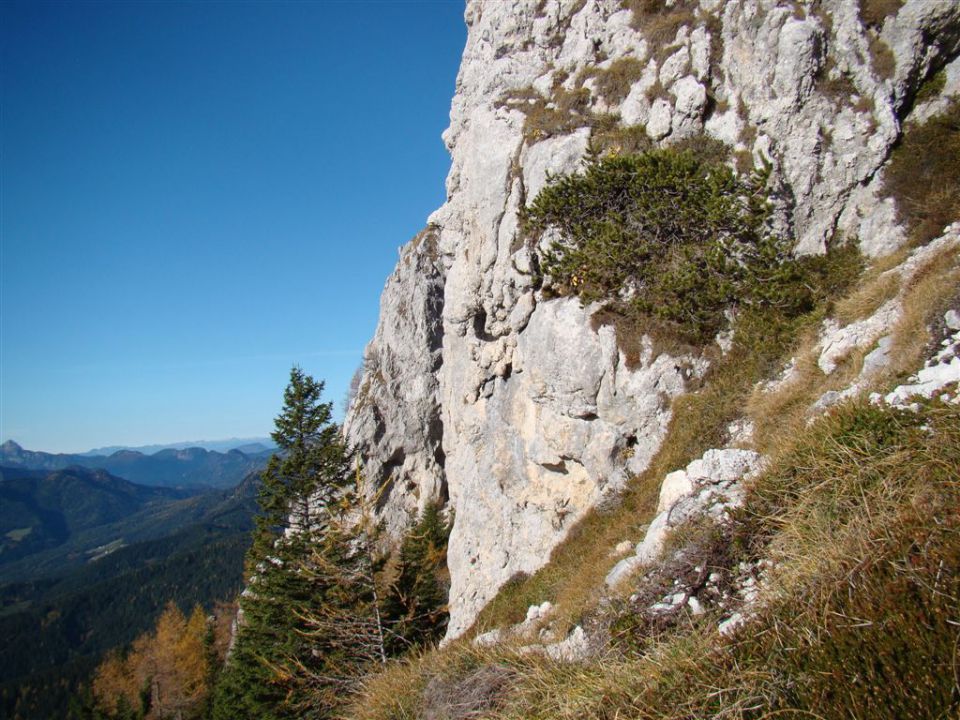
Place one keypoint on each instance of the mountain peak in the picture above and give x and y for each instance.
(11, 447)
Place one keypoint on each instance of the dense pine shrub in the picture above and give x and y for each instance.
(672, 237)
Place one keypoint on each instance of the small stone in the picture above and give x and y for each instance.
(661, 116)
(952, 319)
(573, 649)
(675, 486)
(489, 638)
(730, 625)
(622, 570)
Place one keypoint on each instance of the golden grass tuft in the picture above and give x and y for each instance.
(882, 59)
(928, 296)
(867, 298)
(659, 22)
(613, 83)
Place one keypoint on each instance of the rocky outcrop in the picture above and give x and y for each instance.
(710, 485)
(394, 419)
(518, 409)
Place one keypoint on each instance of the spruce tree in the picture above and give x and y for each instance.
(416, 603)
(300, 498)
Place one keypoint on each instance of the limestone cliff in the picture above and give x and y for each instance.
(517, 409)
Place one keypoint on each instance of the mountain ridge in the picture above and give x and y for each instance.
(168, 467)
(248, 446)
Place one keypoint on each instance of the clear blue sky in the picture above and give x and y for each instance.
(196, 196)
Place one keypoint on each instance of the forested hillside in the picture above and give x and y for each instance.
(58, 626)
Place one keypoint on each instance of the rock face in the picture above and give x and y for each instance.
(514, 408)
(394, 419)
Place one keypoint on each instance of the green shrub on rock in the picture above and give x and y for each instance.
(668, 237)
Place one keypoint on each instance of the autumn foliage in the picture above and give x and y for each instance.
(165, 674)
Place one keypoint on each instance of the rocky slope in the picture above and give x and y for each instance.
(517, 409)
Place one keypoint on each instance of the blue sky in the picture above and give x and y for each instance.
(196, 196)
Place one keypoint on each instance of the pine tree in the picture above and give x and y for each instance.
(416, 604)
(346, 630)
(301, 496)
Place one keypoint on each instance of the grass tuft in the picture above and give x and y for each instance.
(924, 175)
(613, 83)
(660, 22)
(873, 13)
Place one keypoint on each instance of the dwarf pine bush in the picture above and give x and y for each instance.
(668, 236)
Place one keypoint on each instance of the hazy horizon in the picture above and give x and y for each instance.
(150, 447)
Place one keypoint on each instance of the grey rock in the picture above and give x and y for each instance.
(660, 119)
(952, 319)
(394, 421)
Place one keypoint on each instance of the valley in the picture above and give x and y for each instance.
(87, 562)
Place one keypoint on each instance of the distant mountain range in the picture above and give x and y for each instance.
(248, 446)
(175, 468)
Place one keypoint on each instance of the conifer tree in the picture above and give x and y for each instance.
(164, 675)
(416, 603)
(301, 495)
(346, 631)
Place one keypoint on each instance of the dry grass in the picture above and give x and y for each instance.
(748, 135)
(873, 291)
(836, 85)
(923, 175)
(614, 83)
(656, 92)
(633, 334)
(931, 87)
(873, 13)
(658, 22)
(743, 161)
(781, 416)
(562, 113)
(619, 140)
(928, 296)
(882, 58)
(459, 682)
